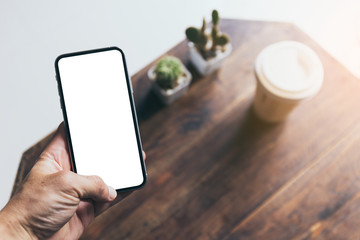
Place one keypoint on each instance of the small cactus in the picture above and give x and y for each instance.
(215, 17)
(201, 39)
(167, 71)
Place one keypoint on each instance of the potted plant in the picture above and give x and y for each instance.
(170, 79)
(208, 46)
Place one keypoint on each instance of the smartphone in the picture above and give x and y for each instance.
(97, 102)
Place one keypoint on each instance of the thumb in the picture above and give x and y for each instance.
(91, 187)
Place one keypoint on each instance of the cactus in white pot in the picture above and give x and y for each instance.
(208, 46)
(170, 79)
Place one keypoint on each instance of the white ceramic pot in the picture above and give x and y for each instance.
(206, 67)
(170, 95)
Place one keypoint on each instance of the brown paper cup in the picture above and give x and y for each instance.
(287, 73)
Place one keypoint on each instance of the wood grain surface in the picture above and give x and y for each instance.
(218, 172)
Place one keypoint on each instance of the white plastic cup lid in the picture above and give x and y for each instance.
(289, 70)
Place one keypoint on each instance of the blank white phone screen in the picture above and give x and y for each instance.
(100, 118)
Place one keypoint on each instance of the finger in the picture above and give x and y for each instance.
(92, 187)
(59, 139)
(57, 150)
(100, 207)
(144, 155)
(85, 211)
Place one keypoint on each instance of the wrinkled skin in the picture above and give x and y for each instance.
(54, 202)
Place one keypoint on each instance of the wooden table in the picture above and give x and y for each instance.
(217, 172)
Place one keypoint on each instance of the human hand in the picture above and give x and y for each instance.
(53, 201)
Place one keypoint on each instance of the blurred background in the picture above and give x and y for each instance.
(34, 33)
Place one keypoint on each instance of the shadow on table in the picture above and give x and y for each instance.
(250, 136)
(148, 106)
(252, 127)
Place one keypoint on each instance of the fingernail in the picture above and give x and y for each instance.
(112, 193)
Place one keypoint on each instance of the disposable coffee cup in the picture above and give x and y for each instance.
(287, 74)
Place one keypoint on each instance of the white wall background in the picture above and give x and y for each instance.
(33, 33)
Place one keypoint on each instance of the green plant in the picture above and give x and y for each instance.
(207, 44)
(167, 71)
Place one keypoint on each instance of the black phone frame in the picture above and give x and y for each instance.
(132, 104)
